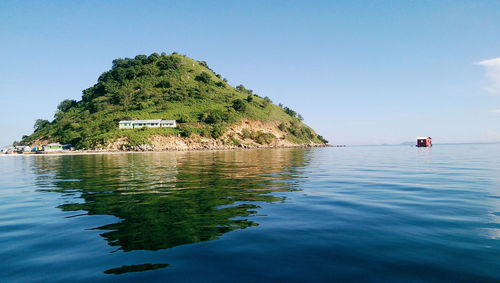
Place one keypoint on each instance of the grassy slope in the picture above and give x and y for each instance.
(160, 87)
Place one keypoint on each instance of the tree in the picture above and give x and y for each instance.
(242, 88)
(40, 123)
(168, 63)
(290, 112)
(66, 104)
(143, 59)
(266, 102)
(153, 57)
(322, 139)
(204, 64)
(249, 98)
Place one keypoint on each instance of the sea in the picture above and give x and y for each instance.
(362, 214)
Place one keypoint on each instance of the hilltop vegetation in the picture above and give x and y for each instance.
(165, 87)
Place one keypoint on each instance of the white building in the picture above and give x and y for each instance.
(158, 123)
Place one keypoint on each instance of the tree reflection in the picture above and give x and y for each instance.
(168, 199)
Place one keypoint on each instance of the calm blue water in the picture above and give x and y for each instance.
(384, 214)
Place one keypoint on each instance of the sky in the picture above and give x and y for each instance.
(359, 72)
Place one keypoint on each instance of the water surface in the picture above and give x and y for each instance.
(391, 213)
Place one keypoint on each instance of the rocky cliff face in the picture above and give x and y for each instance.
(245, 134)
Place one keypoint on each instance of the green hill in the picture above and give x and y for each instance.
(172, 87)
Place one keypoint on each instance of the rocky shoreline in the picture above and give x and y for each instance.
(186, 146)
(140, 149)
(246, 134)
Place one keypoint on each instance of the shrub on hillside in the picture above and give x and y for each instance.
(217, 131)
(239, 105)
(215, 117)
(246, 134)
(204, 77)
(186, 132)
(263, 138)
(243, 89)
(282, 127)
(163, 84)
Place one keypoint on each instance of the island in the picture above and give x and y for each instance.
(170, 102)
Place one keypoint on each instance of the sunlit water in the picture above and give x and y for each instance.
(395, 213)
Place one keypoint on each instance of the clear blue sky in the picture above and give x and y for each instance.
(360, 72)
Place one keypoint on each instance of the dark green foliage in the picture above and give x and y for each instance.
(242, 88)
(263, 138)
(290, 112)
(40, 123)
(168, 63)
(239, 105)
(249, 98)
(215, 117)
(301, 131)
(66, 104)
(186, 132)
(322, 139)
(234, 141)
(147, 215)
(153, 57)
(217, 131)
(142, 58)
(205, 132)
(204, 64)
(282, 127)
(164, 84)
(204, 77)
(184, 119)
(258, 136)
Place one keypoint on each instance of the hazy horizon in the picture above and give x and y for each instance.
(359, 73)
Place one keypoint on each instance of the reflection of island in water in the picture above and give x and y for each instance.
(170, 199)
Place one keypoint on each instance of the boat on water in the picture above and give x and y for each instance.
(424, 142)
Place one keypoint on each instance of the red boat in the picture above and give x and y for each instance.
(424, 142)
